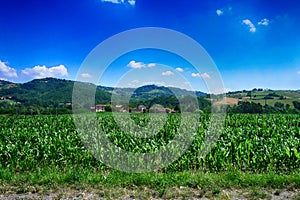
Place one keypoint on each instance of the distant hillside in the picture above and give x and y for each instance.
(48, 94)
(6, 84)
(269, 97)
(45, 92)
(151, 91)
(53, 92)
(3, 83)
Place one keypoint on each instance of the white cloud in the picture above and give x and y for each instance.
(219, 12)
(151, 65)
(139, 65)
(126, 2)
(43, 72)
(264, 22)
(114, 1)
(136, 65)
(167, 73)
(159, 83)
(179, 69)
(196, 75)
(131, 2)
(250, 25)
(298, 72)
(204, 75)
(135, 81)
(6, 71)
(85, 75)
(224, 10)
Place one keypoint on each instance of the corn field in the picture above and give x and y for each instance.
(249, 142)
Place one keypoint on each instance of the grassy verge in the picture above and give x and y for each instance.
(162, 185)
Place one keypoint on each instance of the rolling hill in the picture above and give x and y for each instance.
(269, 97)
(54, 93)
(51, 92)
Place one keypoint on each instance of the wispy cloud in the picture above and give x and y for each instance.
(43, 72)
(112, 1)
(179, 69)
(158, 83)
(136, 65)
(85, 75)
(167, 73)
(264, 22)
(219, 12)
(250, 25)
(204, 75)
(151, 65)
(196, 75)
(125, 2)
(133, 83)
(224, 10)
(131, 2)
(139, 65)
(298, 72)
(7, 71)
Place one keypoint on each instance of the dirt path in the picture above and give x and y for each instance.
(146, 193)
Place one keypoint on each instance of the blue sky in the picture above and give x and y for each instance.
(254, 43)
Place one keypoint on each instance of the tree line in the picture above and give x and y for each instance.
(204, 106)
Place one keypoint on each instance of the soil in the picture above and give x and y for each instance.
(146, 193)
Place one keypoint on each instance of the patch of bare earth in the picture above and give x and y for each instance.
(135, 193)
(227, 101)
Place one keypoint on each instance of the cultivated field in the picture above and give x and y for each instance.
(46, 150)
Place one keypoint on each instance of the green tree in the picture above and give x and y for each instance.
(108, 108)
(296, 105)
(279, 107)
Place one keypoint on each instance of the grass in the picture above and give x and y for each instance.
(258, 97)
(163, 184)
(272, 102)
(258, 194)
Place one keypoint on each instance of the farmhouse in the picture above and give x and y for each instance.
(133, 110)
(120, 108)
(142, 108)
(100, 108)
(92, 109)
(169, 110)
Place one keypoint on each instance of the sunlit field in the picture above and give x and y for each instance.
(249, 143)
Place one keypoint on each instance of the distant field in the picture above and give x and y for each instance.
(273, 101)
(258, 97)
(228, 101)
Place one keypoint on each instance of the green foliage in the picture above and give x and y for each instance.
(54, 96)
(108, 108)
(88, 179)
(44, 95)
(247, 107)
(251, 143)
(296, 104)
(252, 107)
